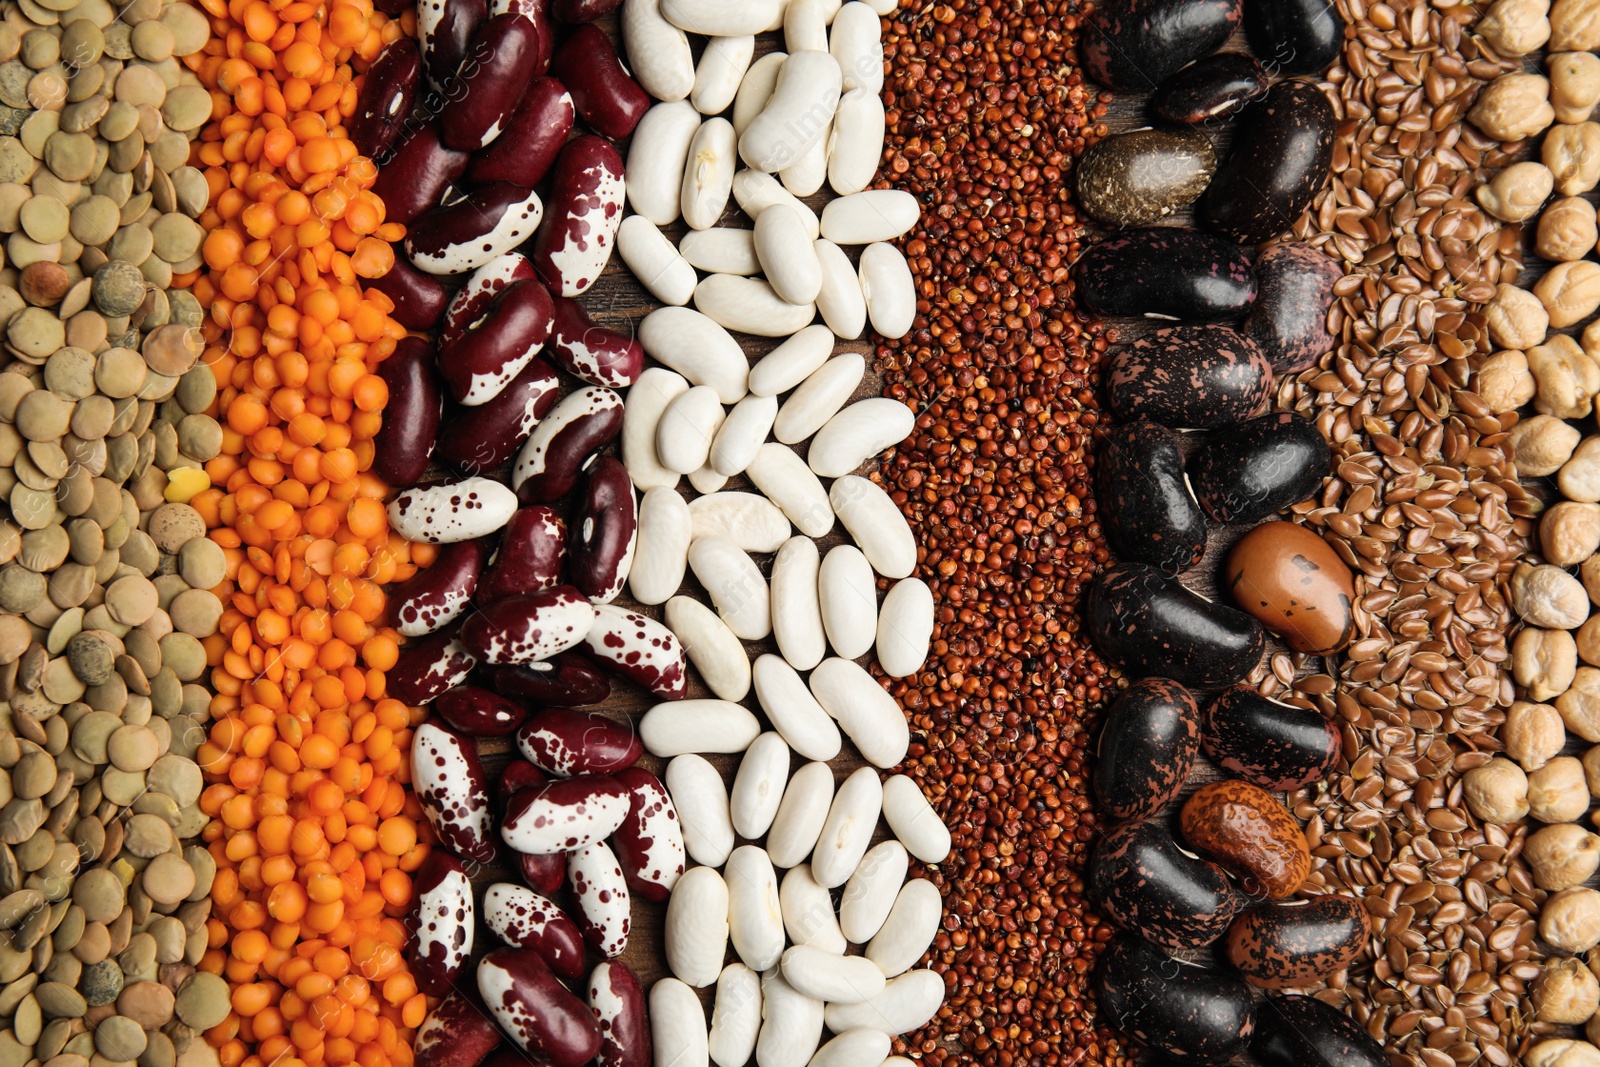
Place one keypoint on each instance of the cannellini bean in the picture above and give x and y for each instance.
(758, 786)
(655, 261)
(722, 69)
(791, 1024)
(787, 257)
(658, 51)
(805, 175)
(750, 521)
(756, 192)
(867, 217)
(707, 480)
(905, 627)
(858, 46)
(687, 428)
(662, 554)
(889, 289)
(696, 932)
(831, 978)
(682, 726)
(840, 300)
(805, 26)
(677, 1025)
(735, 1016)
(848, 595)
(798, 113)
(647, 401)
(819, 397)
(702, 805)
(697, 348)
(913, 820)
(875, 523)
(790, 484)
(713, 649)
(755, 919)
(858, 433)
(854, 1048)
(792, 362)
(656, 160)
(793, 711)
(744, 431)
(908, 931)
(797, 607)
(708, 174)
(848, 829)
(722, 18)
(722, 250)
(808, 912)
(756, 89)
(868, 716)
(906, 1004)
(801, 815)
(750, 305)
(856, 143)
(735, 584)
(870, 891)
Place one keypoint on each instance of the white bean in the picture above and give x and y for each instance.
(905, 627)
(756, 192)
(797, 605)
(721, 18)
(744, 431)
(805, 175)
(854, 1048)
(677, 727)
(750, 521)
(909, 930)
(875, 523)
(707, 480)
(858, 433)
(797, 115)
(749, 305)
(677, 1025)
(655, 261)
(792, 710)
(756, 89)
(791, 1024)
(697, 348)
(867, 715)
(829, 977)
(755, 919)
(848, 595)
(735, 1016)
(646, 402)
(858, 46)
(841, 302)
(656, 159)
(790, 484)
(808, 912)
(687, 428)
(716, 653)
(696, 930)
(873, 215)
(758, 786)
(906, 1004)
(848, 829)
(702, 803)
(870, 891)
(662, 553)
(889, 289)
(792, 362)
(787, 257)
(857, 142)
(801, 815)
(819, 398)
(722, 68)
(658, 52)
(883, 7)
(805, 26)
(708, 173)
(722, 250)
(735, 584)
(913, 820)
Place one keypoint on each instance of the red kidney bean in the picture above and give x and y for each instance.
(617, 1001)
(649, 843)
(562, 445)
(568, 681)
(584, 10)
(479, 712)
(543, 874)
(437, 595)
(605, 94)
(471, 303)
(538, 13)
(387, 97)
(457, 1033)
(429, 667)
(404, 443)
(566, 742)
(528, 628)
(535, 1009)
(525, 151)
(445, 918)
(419, 299)
(450, 785)
(607, 526)
(469, 233)
(446, 29)
(639, 649)
(525, 918)
(586, 194)
(597, 355)
(518, 775)
(417, 177)
(483, 360)
(485, 91)
(564, 814)
(479, 439)
(532, 551)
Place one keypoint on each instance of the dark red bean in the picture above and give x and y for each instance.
(579, 233)
(606, 525)
(429, 667)
(532, 551)
(598, 355)
(479, 439)
(437, 594)
(605, 94)
(447, 28)
(419, 299)
(538, 13)
(583, 10)
(480, 712)
(518, 775)
(535, 1009)
(569, 681)
(471, 303)
(543, 874)
(524, 153)
(416, 178)
(404, 443)
(491, 81)
(486, 358)
(387, 97)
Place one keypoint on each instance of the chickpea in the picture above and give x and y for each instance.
(1562, 856)
(1516, 27)
(1572, 152)
(1567, 229)
(1543, 663)
(1588, 640)
(1570, 920)
(1517, 318)
(1591, 770)
(1570, 291)
(1575, 26)
(1549, 597)
(1566, 378)
(1567, 992)
(1574, 85)
(1580, 706)
(1517, 193)
(1557, 791)
(1569, 533)
(1496, 792)
(1504, 381)
(1533, 733)
(1513, 107)
(1563, 1052)
(1579, 478)
(1540, 445)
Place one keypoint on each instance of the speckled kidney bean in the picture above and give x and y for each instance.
(529, 627)
(471, 303)
(387, 96)
(456, 1034)
(469, 233)
(460, 509)
(479, 439)
(543, 874)
(565, 814)
(445, 919)
(649, 842)
(484, 359)
(586, 196)
(639, 649)
(417, 175)
(604, 93)
(538, 13)
(566, 743)
(601, 893)
(523, 918)
(569, 681)
(561, 446)
(617, 1001)
(445, 28)
(419, 299)
(429, 667)
(449, 781)
(598, 355)
(574, 11)
(479, 712)
(437, 595)
(606, 525)
(405, 442)
(518, 775)
(490, 83)
(535, 1009)
(535, 131)
(533, 550)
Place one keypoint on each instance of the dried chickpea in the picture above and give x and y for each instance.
(1587, 638)
(1496, 792)
(1516, 27)
(1548, 596)
(1543, 662)
(1504, 381)
(1513, 106)
(1533, 733)
(1570, 292)
(1517, 318)
(1570, 920)
(1540, 445)
(1563, 1052)
(1557, 792)
(1517, 193)
(1572, 152)
(1591, 770)
(1580, 705)
(1570, 532)
(1562, 856)
(1574, 85)
(1579, 477)
(1566, 378)
(1567, 230)
(1566, 992)
(1575, 26)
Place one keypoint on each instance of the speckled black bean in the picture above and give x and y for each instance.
(1147, 748)
(1167, 271)
(1294, 36)
(1282, 148)
(1215, 88)
(1149, 884)
(1146, 509)
(1200, 376)
(1276, 746)
(1155, 627)
(1257, 468)
(1197, 1013)
(1304, 1032)
(1299, 943)
(1135, 45)
(1144, 176)
(1290, 317)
